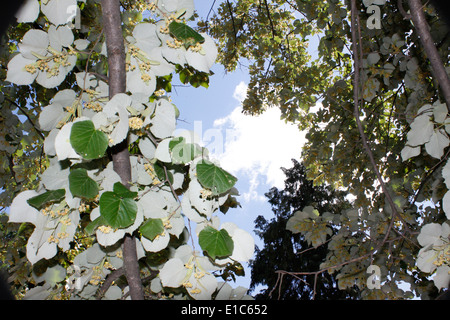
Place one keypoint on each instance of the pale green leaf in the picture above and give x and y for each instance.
(164, 121)
(173, 273)
(20, 211)
(437, 143)
(63, 147)
(55, 274)
(430, 234)
(421, 130)
(59, 11)
(409, 152)
(28, 12)
(16, 71)
(162, 151)
(34, 42)
(439, 112)
(442, 277)
(203, 61)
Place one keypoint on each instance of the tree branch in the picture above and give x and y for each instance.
(121, 157)
(437, 66)
(116, 274)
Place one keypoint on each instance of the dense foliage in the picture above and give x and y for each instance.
(375, 110)
(111, 204)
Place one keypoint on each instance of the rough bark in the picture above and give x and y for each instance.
(121, 157)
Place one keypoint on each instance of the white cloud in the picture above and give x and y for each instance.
(256, 146)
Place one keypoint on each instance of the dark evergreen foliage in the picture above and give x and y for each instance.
(290, 252)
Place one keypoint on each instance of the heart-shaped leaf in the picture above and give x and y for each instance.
(118, 207)
(217, 243)
(81, 185)
(152, 228)
(88, 142)
(214, 178)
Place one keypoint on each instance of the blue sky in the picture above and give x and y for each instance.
(251, 148)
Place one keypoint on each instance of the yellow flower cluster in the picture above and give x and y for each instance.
(151, 171)
(167, 224)
(108, 265)
(105, 229)
(443, 258)
(165, 29)
(94, 106)
(60, 213)
(135, 123)
(175, 44)
(196, 291)
(146, 77)
(59, 235)
(133, 51)
(197, 48)
(66, 222)
(199, 275)
(129, 67)
(205, 193)
(96, 277)
(31, 68)
(145, 66)
(52, 239)
(83, 207)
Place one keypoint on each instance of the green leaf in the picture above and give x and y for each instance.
(50, 196)
(88, 142)
(123, 192)
(81, 185)
(185, 33)
(214, 178)
(217, 243)
(152, 228)
(183, 152)
(90, 228)
(118, 207)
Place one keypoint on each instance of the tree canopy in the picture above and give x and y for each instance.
(367, 81)
(102, 198)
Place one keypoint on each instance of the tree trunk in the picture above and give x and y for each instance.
(121, 157)
(437, 66)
